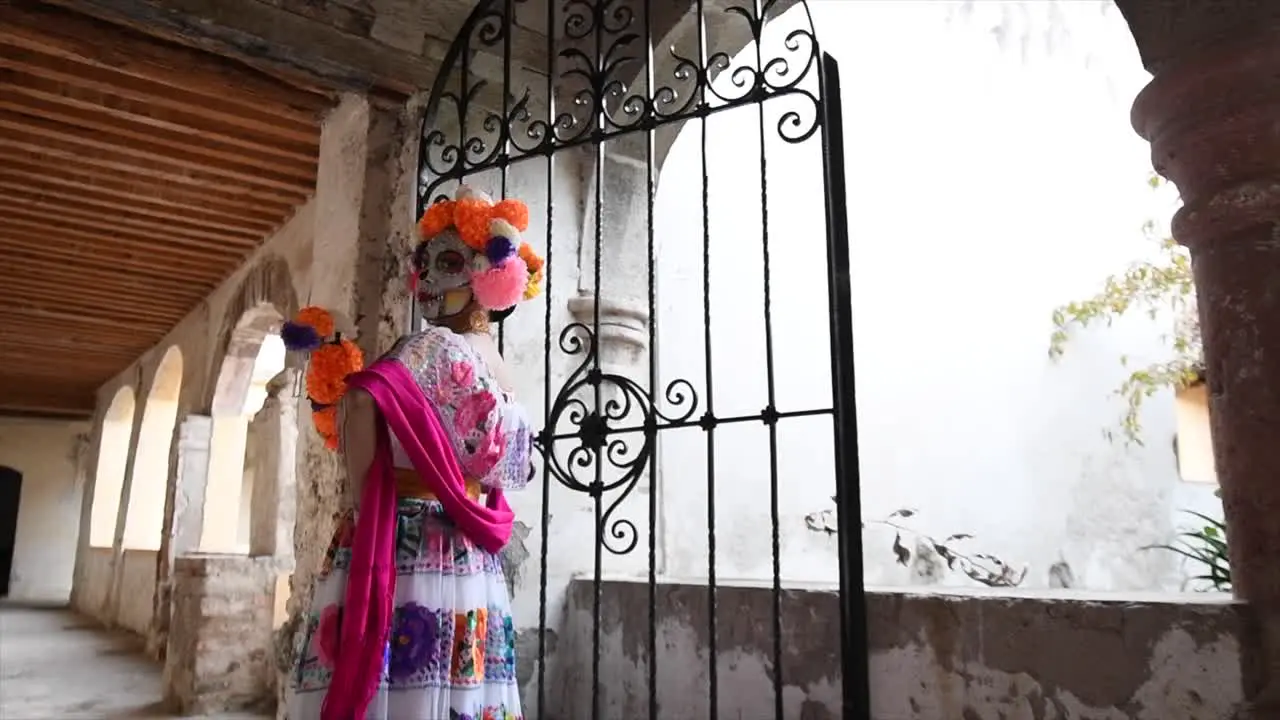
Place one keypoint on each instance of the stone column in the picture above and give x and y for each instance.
(363, 226)
(1212, 115)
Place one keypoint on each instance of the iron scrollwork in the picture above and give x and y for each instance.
(596, 65)
(600, 435)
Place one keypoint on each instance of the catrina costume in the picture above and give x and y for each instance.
(411, 618)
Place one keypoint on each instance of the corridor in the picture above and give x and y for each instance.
(56, 665)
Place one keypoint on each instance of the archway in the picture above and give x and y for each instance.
(116, 436)
(10, 497)
(255, 354)
(144, 516)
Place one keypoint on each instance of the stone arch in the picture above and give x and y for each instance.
(116, 437)
(144, 515)
(268, 284)
(254, 355)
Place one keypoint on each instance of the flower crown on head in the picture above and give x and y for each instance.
(505, 269)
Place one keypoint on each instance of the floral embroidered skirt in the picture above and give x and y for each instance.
(451, 654)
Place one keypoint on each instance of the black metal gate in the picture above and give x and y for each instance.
(531, 90)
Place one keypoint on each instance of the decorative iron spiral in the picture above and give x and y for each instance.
(596, 437)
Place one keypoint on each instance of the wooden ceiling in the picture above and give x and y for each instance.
(135, 176)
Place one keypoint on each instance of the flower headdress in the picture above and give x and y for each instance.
(331, 358)
(505, 269)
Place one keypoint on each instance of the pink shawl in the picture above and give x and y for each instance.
(371, 578)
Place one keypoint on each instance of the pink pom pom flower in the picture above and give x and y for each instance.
(500, 286)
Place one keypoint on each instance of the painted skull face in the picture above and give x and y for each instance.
(443, 265)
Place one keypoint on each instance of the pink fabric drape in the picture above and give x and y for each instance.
(371, 577)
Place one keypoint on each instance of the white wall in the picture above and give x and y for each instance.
(49, 508)
(993, 175)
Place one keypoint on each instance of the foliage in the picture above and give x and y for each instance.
(1150, 286)
(1206, 547)
(981, 567)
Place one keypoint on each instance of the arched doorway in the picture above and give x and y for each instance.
(255, 355)
(10, 497)
(575, 119)
(113, 457)
(144, 517)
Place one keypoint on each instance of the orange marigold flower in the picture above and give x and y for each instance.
(328, 370)
(530, 257)
(471, 217)
(326, 421)
(436, 218)
(514, 212)
(317, 318)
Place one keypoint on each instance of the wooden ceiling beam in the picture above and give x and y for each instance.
(81, 177)
(83, 238)
(69, 303)
(302, 184)
(122, 303)
(213, 150)
(73, 319)
(120, 216)
(69, 35)
(16, 209)
(60, 150)
(119, 347)
(284, 43)
(102, 278)
(142, 113)
(78, 407)
(106, 203)
(96, 264)
(259, 121)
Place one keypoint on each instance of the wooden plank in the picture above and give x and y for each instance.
(72, 234)
(92, 263)
(156, 137)
(273, 39)
(156, 170)
(123, 301)
(27, 167)
(69, 35)
(14, 209)
(303, 184)
(53, 317)
(70, 303)
(100, 277)
(137, 205)
(117, 215)
(143, 113)
(87, 76)
(70, 407)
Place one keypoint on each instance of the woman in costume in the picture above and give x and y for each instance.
(411, 619)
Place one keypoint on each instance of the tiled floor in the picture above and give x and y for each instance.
(55, 665)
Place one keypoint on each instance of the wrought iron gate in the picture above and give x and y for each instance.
(530, 87)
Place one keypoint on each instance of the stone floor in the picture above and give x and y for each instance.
(55, 665)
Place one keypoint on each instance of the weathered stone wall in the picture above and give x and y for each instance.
(933, 656)
(220, 652)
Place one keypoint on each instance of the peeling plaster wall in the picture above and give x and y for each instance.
(1007, 182)
(137, 591)
(933, 657)
(48, 508)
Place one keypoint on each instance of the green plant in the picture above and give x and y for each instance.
(1150, 286)
(1206, 547)
(980, 567)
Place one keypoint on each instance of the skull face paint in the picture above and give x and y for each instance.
(443, 268)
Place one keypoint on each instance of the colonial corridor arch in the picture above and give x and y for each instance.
(144, 514)
(578, 128)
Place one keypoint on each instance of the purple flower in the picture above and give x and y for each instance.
(499, 248)
(415, 641)
(300, 338)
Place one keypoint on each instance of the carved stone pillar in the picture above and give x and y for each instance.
(1212, 115)
(623, 297)
(273, 503)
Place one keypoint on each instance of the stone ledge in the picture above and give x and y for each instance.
(936, 656)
